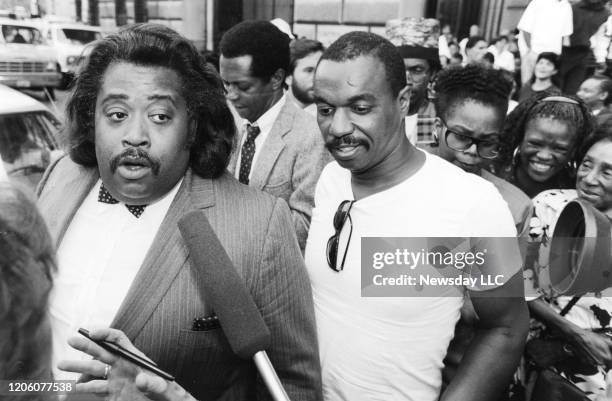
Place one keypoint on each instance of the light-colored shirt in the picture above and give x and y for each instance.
(547, 21)
(98, 258)
(265, 124)
(503, 59)
(391, 348)
(443, 50)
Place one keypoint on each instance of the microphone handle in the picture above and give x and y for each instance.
(269, 376)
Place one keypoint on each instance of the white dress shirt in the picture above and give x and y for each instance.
(265, 123)
(98, 258)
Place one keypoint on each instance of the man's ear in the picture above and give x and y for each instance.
(404, 99)
(278, 78)
(289, 80)
(603, 96)
(438, 127)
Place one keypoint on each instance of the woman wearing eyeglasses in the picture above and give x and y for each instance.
(471, 106)
(539, 142)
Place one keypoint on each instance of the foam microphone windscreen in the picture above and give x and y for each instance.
(238, 315)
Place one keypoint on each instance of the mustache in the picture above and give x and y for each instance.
(135, 156)
(349, 139)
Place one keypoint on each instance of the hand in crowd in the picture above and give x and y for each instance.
(597, 348)
(125, 381)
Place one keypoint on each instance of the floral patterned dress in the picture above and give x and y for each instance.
(593, 311)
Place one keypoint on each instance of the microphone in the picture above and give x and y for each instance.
(238, 315)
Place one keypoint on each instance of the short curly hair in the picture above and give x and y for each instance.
(355, 44)
(159, 46)
(27, 262)
(457, 85)
(264, 42)
(575, 113)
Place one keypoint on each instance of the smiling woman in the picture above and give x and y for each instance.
(540, 140)
(585, 325)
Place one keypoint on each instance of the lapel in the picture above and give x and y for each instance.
(58, 208)
(165, 258)
(273, 145)
(231, 167)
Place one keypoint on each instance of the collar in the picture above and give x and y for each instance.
(169, 195)
(267, 119)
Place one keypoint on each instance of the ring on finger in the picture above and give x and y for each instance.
(107, 369)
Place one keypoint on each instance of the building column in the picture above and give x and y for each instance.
(120, 13)
(194, 22)
(412, 8)
(140, 11)
(93, 12)
(490, 18)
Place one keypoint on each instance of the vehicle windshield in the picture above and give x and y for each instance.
(26, 142)
(21, 34)
(78, 36)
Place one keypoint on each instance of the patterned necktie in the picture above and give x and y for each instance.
(105, 197)
(248, 151)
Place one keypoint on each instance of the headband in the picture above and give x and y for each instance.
(560, 99)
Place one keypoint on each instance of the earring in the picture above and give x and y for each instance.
(516, 155)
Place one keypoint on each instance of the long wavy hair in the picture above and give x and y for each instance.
(202, 89)
(27, 261)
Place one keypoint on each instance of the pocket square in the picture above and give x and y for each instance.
(205, 323)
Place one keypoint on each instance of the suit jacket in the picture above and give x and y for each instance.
(290, 163)
(158, 312)
(603, 116)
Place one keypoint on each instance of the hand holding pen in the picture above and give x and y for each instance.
(120, 370)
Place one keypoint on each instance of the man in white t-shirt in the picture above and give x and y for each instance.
(546, 25)
(392, 348)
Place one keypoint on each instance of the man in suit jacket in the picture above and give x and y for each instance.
(150, 137)
(279, 149)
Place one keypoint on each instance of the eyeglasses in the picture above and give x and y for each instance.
(341, 216)
(485, 149)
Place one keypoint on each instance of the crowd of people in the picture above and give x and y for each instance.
(295, 155)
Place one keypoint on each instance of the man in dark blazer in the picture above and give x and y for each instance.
(150, 138)
(279, 148)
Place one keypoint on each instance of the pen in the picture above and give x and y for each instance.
(118, 350)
